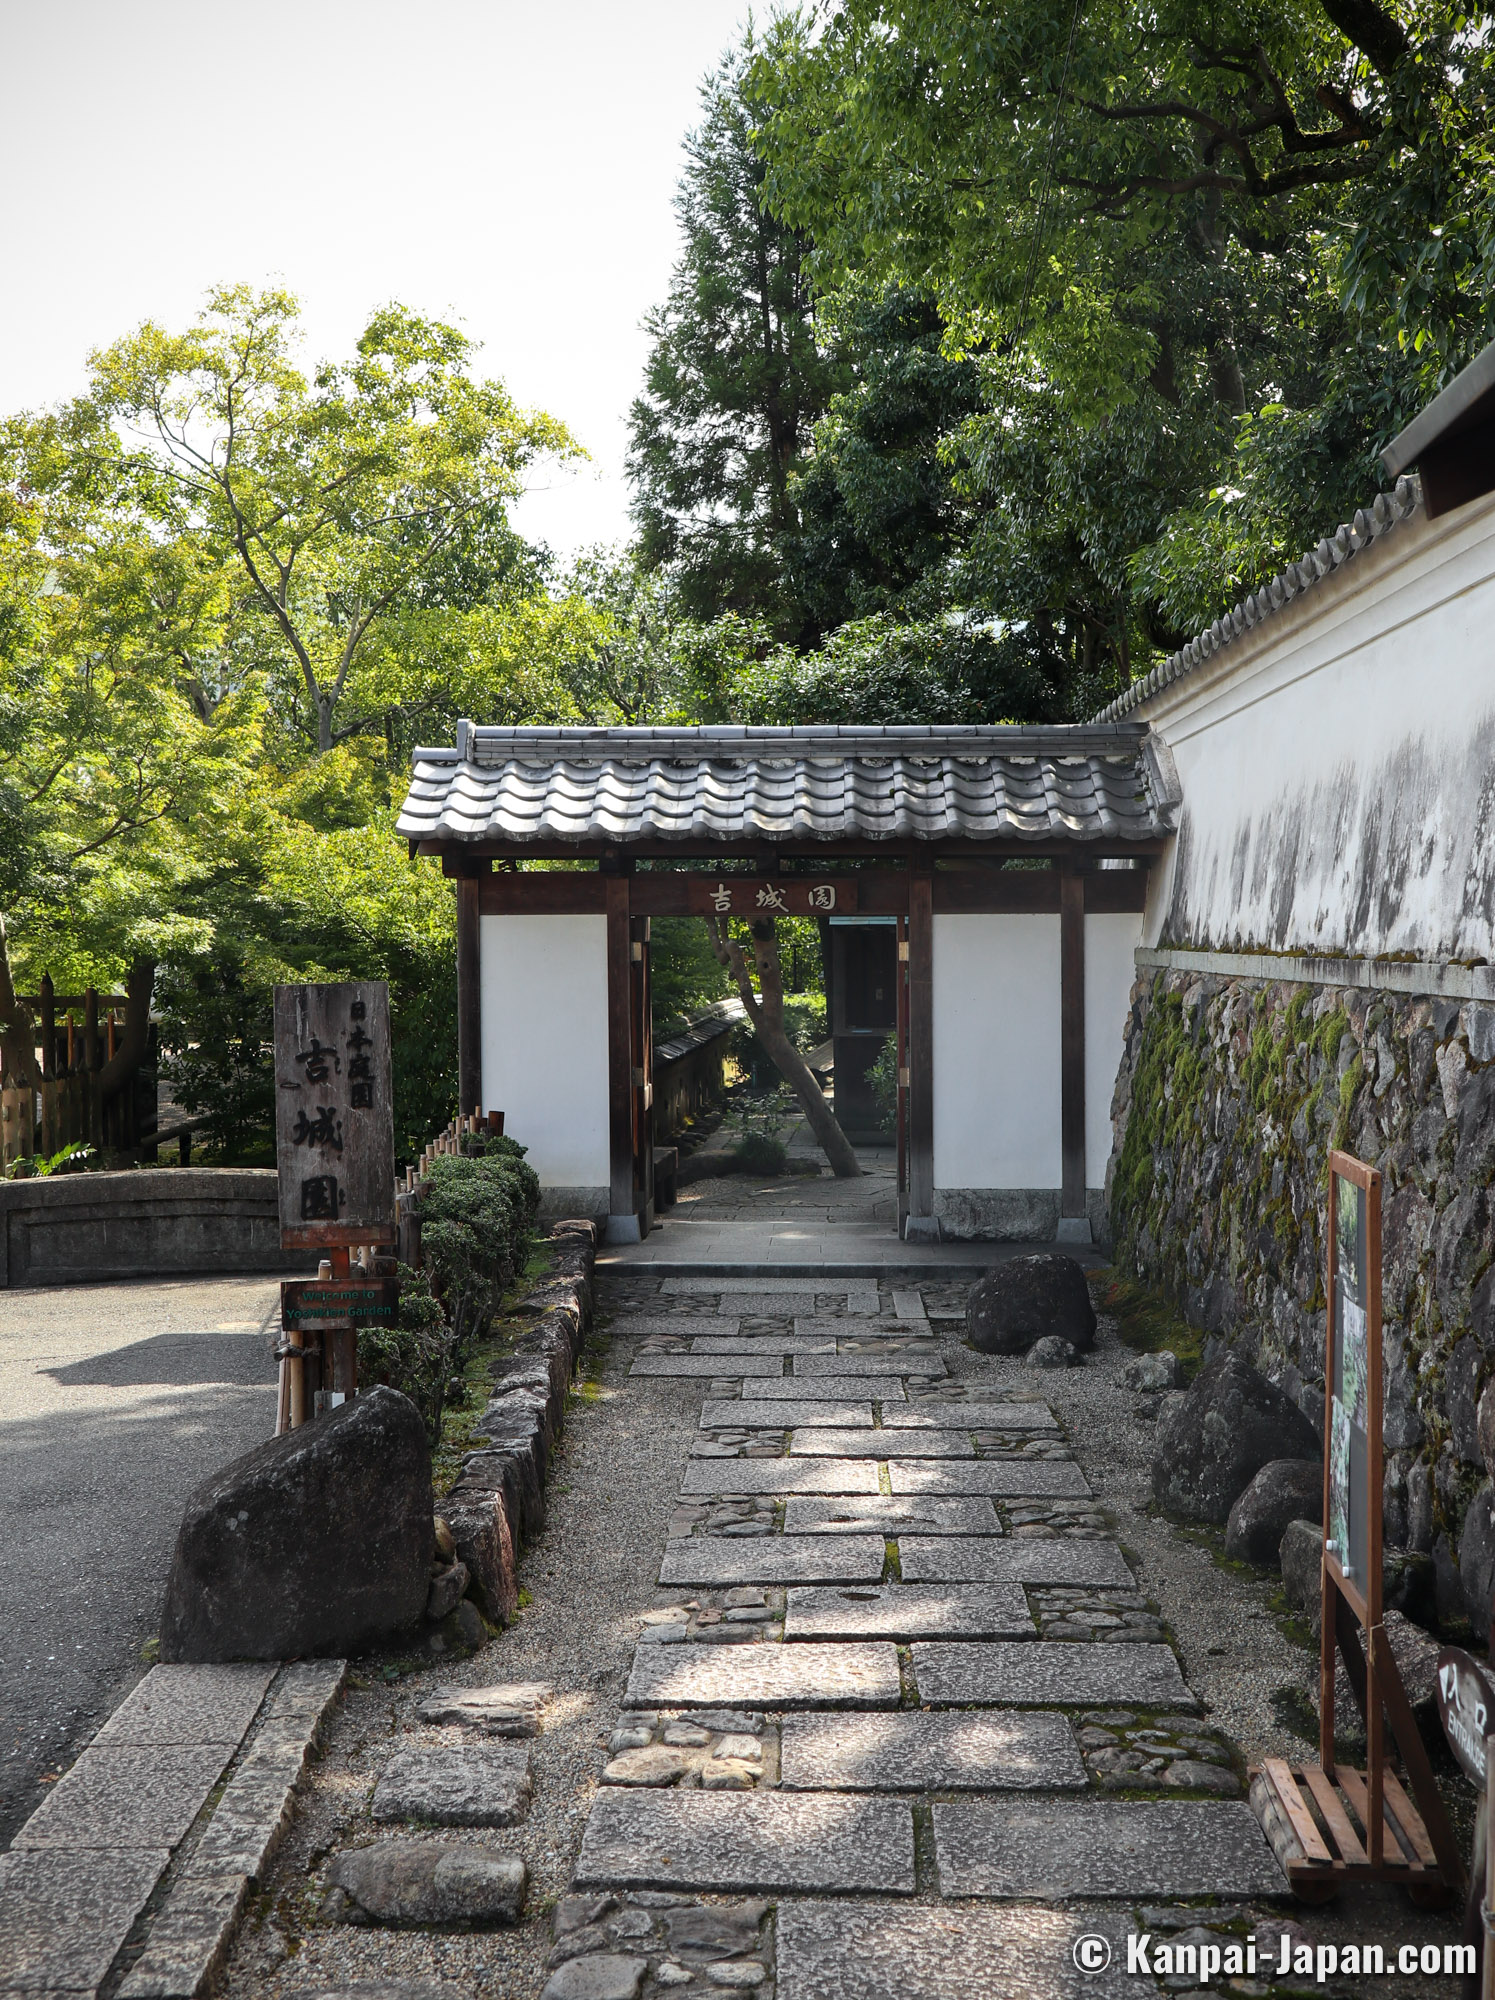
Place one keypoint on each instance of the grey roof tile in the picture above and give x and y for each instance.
(714, 784)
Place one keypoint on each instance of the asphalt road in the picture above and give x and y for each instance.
(115, 1402)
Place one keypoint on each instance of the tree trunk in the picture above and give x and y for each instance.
(765, 1011)
(17, 1029)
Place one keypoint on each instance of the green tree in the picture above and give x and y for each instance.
(343, 500)
(1205, 260)
(736, 379)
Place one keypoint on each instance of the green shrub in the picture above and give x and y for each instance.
(760, 1154)
(477, 1218)
(882, 1079)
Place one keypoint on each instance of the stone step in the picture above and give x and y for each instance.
(709, 1477)
(828, 1389)
(748, 1841)
(892, 1951)
(905, 1611)
(847, 1675)
(1057, 1850)
(1004, 1478)
(1062, 1559)
(1050, 1673)
(812, 1514)
(813, 1443)
(707, 1560)
(966, 1750)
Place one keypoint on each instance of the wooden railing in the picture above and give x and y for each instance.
(69, 1103)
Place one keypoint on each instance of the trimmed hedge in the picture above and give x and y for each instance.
(477, 1221)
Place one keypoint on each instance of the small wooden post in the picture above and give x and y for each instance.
(469, 995)
(623, 1223)
(921, 1052)
(1487, 1914)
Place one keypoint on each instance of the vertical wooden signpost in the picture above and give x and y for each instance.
(1347, 1824)
(334, 1139)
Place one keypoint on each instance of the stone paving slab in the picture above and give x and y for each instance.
(860, 1293)
(849, 1675)
(1050, 1672)
(189, 1939)
(1053, 1850)
(909, 1305)
(64, 1915)
(755, 1415)
(707, 1364)
(959, 1750)
(667, 1326)
(126, 1795)
(809, 1514)
(974, 1415)
(810, 1443)
(909, 1611)
(189, 1704)
(749, 1842)
(1019, 1559)
(708, 1560)
(467, 1784)
(767, 1305)
(818, 1326)
(892, 1951)
(1003, 1478)
(708, 1477)
(829, 1388)
(761, 1343)
(253, 1815)
(899, 1361)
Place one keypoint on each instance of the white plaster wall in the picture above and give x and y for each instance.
(545, 1041)
(996, 1052)
(1338, 762)
(1110, 969)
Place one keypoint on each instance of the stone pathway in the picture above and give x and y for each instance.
(907, 1664)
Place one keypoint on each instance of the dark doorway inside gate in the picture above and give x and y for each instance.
(861, 961)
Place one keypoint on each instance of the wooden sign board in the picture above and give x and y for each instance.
(1466, 1708)
(318, 1305)
(334, 1115)
(771, 896)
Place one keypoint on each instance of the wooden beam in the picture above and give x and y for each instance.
(1072, 1041)
(871, 892)
(619, 1058)
(469, 995)
(921, 1051)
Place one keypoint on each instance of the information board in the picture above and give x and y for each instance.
(334, 1114)
(1352, 1376)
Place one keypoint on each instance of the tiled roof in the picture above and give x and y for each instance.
(540, 787)
(1331, 554)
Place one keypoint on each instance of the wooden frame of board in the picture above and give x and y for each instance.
(1347, 1824)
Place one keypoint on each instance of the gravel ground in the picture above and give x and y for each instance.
(590, 1578)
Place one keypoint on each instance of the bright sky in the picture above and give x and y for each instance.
(507, 165)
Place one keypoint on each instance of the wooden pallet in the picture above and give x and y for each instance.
(1321, 1829)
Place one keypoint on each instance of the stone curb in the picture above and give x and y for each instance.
(498, 1501)
(85, 1879)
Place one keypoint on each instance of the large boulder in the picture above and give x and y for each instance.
(1232, 1422)
(1408, 1584)
(319, 1542)
(1029, 1299)
(1286, 1489)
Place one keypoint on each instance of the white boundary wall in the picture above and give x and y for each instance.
(544, 986)
(996, 1052)
(1337, 763)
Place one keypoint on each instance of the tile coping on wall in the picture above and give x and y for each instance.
(1439, 978)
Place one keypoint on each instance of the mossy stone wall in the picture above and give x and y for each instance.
(1230, 1094)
